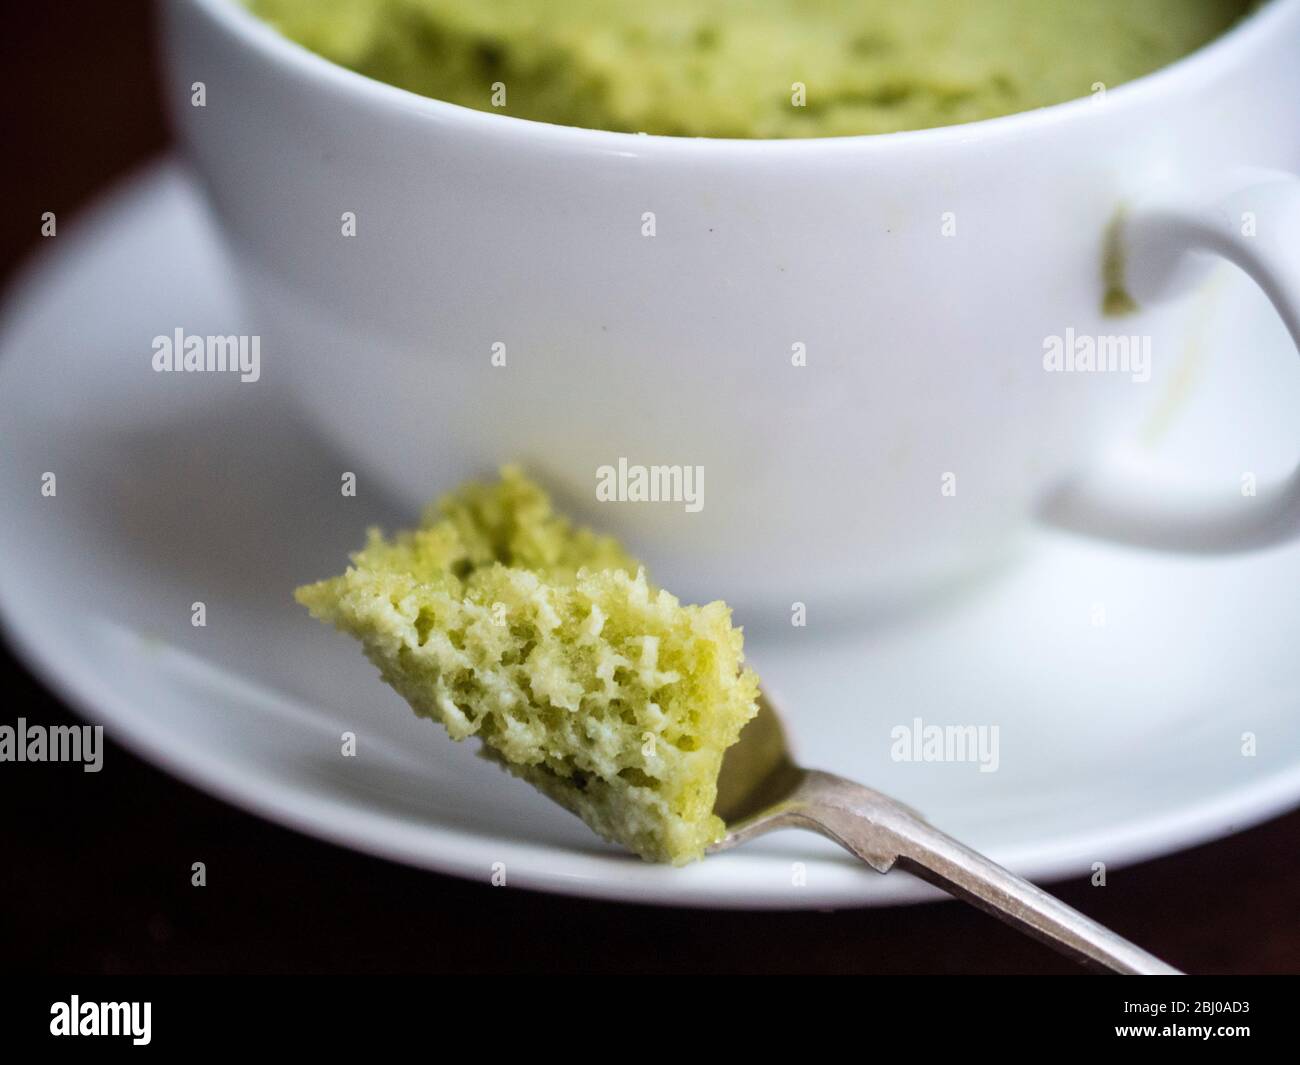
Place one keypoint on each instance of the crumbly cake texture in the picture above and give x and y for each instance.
(500, 619)
(731, 68)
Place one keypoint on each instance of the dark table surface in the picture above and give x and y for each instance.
(96, 866)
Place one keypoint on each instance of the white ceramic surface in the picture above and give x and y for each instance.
(822, 483)
(1118, 741)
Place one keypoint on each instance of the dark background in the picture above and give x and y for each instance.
(94, 868)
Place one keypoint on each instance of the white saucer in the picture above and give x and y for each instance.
(1118, 741)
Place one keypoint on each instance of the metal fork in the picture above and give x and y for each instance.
(761, 789)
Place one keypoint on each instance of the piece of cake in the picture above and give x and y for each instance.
(753, 68)
(502, 620)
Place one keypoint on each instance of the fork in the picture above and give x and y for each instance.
(761, 788)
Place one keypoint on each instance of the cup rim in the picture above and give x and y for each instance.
(1206, 62)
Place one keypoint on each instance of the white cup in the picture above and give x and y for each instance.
(923, 273)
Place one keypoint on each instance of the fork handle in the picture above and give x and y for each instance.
(884, 833)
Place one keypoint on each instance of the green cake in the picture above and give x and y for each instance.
(732, 68)
(500, 619)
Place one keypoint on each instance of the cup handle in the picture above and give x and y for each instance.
(1169, 240)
